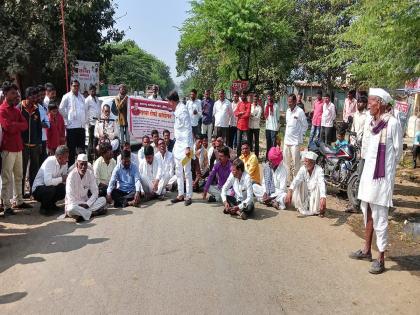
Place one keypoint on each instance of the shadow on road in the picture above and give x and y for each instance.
(263, 213)
(340, 216)
(409, 263)
(12, 297)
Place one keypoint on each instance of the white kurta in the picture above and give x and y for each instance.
(77, 193)
(195, 106)
(308, 190)
(280, 179)
(380, 191)
(242, 189)
(148, 173)
(182, 131)
(167, 171)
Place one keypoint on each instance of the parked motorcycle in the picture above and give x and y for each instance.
(340, 166)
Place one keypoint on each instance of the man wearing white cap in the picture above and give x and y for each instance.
(307, 191)
(79, 182)
(383, 152)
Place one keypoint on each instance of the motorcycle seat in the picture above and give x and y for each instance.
(326, 149)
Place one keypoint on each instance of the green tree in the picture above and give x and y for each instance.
(31, 37)
(127, 62)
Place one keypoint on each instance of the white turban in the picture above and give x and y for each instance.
(311, 155)
(381, 93)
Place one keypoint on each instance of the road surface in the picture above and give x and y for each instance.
(172, 259)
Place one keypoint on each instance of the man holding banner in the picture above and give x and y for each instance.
(182, 149)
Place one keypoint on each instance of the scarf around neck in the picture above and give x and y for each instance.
(376, 127)
(269, 108)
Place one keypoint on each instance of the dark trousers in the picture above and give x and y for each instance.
(326, 134)
(222, 132)
(49, 195)
(416, 152)
(32, 156)
(75, 140)
(91, 143)
(232, 137)
(44, 153)
(233, 202)
(239, 139)
(121, 198)
(102, 190)
(270, 138)
(254, 141)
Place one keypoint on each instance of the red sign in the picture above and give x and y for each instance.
(239, 85)
(403, 107)
(414, 84)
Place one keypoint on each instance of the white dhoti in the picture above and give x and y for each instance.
(76, 210)
(166, 181)
(146, 185)
(278, 197)
(216, 192)
(380, 223)
(306, 201)
(179, 172)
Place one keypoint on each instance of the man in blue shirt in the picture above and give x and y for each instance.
(124, 186)
(416, 148)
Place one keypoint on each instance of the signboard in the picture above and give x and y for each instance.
(113, 89)
(239, 85)
(145, 115)
(403, 112)
(414, 84)
(87, 73)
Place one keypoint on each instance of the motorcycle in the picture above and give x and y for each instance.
(340, 166)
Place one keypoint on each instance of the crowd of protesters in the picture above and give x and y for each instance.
(215, 150)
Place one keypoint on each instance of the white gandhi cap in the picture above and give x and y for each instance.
(311, 155)
(82, 157)
(381, 93)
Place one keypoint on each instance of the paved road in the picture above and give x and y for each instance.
(171, 259)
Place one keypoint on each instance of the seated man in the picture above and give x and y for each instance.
(201, 156)
(103, 167)
(210, 150)
(106, 129)
(124, 186)
(168, 141)
(242, 203)
(252, 166)
(221, 171)
(80, 183)
(145, 143)
(149, 174)
(155, 139)
(49, 184)
(307, 191)
(134, 157)
(167, 177)
(272, 191)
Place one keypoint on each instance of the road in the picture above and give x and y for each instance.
(171, 259)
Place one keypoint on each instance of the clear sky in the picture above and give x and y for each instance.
(153, 24)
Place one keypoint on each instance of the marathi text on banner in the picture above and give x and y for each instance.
(87, 73)
(403, 113)
(146, 115)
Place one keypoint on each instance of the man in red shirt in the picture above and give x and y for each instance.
(13, 124)
(316, 118)
(242, 113)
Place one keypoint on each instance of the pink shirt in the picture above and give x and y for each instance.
(350, 107)
(316, 119)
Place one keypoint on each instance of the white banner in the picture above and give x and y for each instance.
(87, 73)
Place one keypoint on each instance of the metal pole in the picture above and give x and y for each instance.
(64, 45)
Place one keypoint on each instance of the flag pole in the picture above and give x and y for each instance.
(64, 46)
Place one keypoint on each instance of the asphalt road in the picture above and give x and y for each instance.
(171, 259)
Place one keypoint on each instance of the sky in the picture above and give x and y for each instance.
(153, 26)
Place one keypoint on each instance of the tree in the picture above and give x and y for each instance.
(384, 43)
(126, 62)
(31, 37)
(237, 39)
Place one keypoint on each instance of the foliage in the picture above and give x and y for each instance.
(237, 39)
(384, 39)
(128, 63)
(31, 37)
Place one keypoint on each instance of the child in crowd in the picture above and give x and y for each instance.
(341, 141)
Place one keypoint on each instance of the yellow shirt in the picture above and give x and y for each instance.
(252, 167)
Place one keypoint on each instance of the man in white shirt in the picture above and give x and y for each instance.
(233, 122)
(155, 96)
(327, 120)
(155, 139)
(383, 153)
(222, 113)
(79, 183)
(254, 125)
(242, 203)
(307, 191)
(103, 167)
(106, 129)
(49, 184)
(149, 170)
(182, 149)
(272, 191)
(94, 112)
(272, 120)
(296, 125)
(359, 119)
(50, 94)
(350, 106)
(195, 110)
(167, 178)
(145, 143)
(75, 114)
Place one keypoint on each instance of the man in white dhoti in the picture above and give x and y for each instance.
(383, 152)
(79, 182)
(167, 177)
(273, 189)
(149, 169)
(182, 149)
(307, 191)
